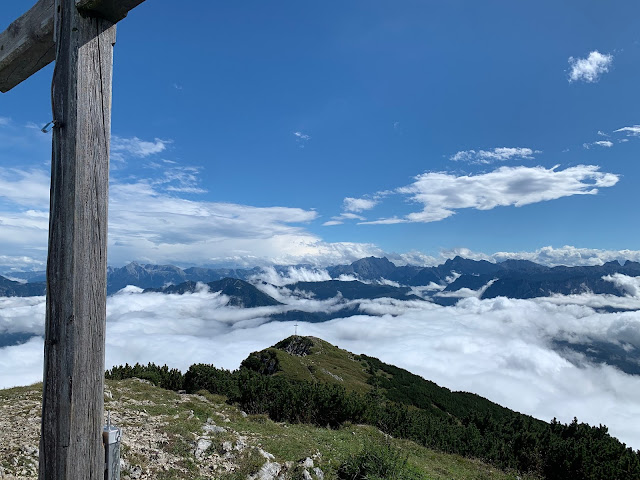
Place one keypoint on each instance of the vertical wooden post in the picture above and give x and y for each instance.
(71, 441)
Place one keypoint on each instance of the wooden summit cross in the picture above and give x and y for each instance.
(79, 35)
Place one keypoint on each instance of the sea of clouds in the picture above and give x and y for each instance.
(502, 349)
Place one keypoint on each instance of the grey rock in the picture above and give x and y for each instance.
(319, 473)
(201, 446)
(227, 446)
(269, 471)
(209, 428)
(136, 472)
(266, 455)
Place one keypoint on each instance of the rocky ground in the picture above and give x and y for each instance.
(172, 436)
(164, 436)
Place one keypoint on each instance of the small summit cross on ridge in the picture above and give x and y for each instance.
(79, 36)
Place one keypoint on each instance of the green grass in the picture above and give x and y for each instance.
(324, 363)
(181, 419)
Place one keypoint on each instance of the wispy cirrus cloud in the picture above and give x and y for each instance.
(25, 187)
(122, 147)
(442, 193)
(589, 69)
(599, 143)
(150, 221)
(340, 219)
(4, 121)
(499, 154)
(301, 138)
(633, 131)
(177, 178)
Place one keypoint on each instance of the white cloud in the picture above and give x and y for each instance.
(499, 348)
(599, 143)
(147, 222)
(385, 221)
(591, 68)
(122, 147)
(443, 193)
(302, 136)
(148, 225)
(25, 187)
(340, 219)
(489, 156)
(15, 263)
(178, 179)
(633, 131)
(291, 275)
(567, 255)
(359, 204)
(4, 121)
(630, 285)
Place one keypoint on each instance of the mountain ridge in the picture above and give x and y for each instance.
(512, 278)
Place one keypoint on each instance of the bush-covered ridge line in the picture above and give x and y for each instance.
(407, 406)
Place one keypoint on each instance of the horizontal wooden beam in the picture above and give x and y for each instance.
(27, 44)
(112, 10)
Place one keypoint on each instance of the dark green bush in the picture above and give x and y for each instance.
(378, 461)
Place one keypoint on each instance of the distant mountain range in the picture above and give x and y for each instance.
(377, 277)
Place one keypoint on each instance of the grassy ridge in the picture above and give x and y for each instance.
(307, 380)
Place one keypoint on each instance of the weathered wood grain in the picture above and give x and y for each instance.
(27, 45)
(112, 10)
(71, 441)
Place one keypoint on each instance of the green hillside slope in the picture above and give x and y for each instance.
(171, 436)
(305, 380)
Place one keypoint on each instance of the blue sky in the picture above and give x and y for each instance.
(256, 132)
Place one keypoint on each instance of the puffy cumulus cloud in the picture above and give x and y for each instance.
(122, 147)
(359, 204)
(591, 68)
(500, 348)
(633, 131)
(500, 154)
(443, 193)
